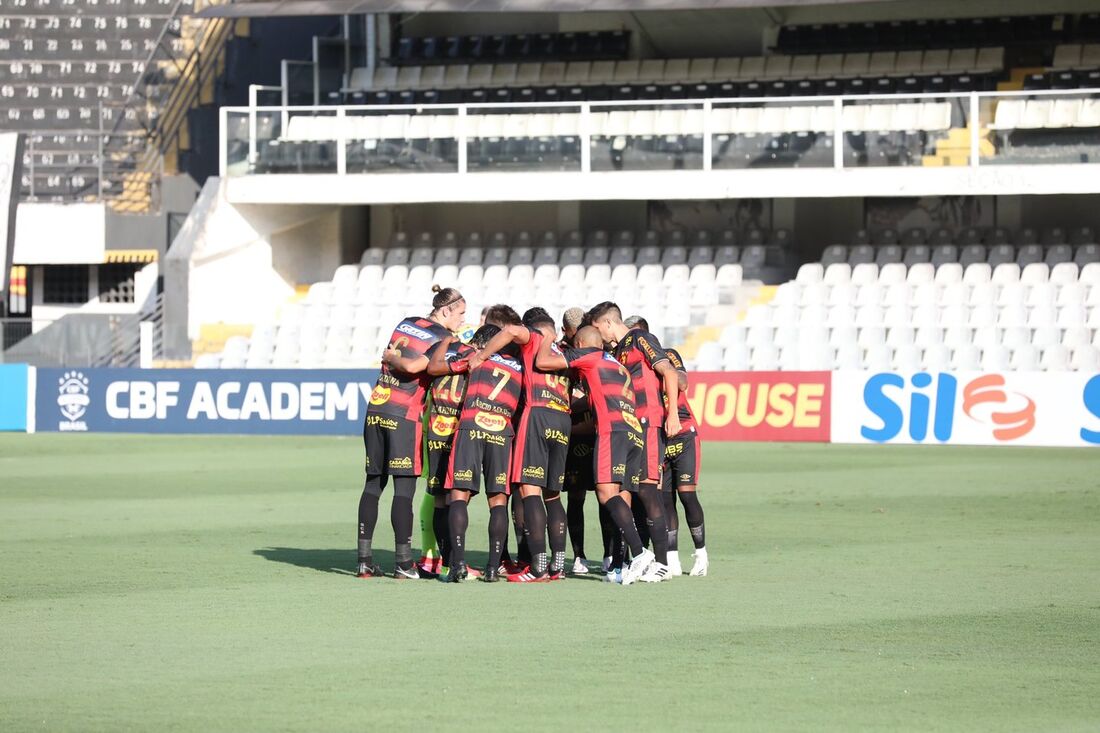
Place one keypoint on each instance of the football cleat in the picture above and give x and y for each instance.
(430, 567)
(457, 573)
(513, 567)
(369, 570)
(656, 573)
(607, 563)
(699, 569)
(580, 567)
(556, 575)
(638, 566)
(473, 573)
(527, 577)
(674, 567)
(401, 573)
(491, 575)
(615, 575)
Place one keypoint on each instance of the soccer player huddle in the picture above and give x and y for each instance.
(526, 415)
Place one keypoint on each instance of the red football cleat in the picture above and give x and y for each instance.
(511, 567)
(557, 575)
(527, 577)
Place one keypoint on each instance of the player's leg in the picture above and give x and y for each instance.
(693, 510)
(368, 518)
(649, 491)
(574, 518)
(401, 517)
(439, 527)
(556, 519)
(556, 522)
(669, 481)
(458, 521)
(495, 465)
(534, 519)
(615, 466)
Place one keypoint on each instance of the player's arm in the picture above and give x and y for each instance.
(508, 335)
(407, 364)
(549, 359)
(670, 377)
(438, 365)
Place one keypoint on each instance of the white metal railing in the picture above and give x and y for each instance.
(969, 102)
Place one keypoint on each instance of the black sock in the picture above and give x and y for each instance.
(555, 527)
(401, 516)
(458, 520)
(641, 520)
(608, 530)
(442, 537)
(669, 495)
(655, 514)
(498, 534)
(693, 515)
(534, 518)
(624, 520)
(368, 516)
(575, 520)
(523, 552)
(618, 548)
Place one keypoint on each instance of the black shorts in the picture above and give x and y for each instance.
(653, 453)
(618, 458)
(682, 456)
(392, 445)
(476, 453)
(579, 469)
(441, 433)
(541, 449)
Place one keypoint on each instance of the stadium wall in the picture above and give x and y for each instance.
(1022, 408)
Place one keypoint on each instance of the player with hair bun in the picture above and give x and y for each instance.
(392, 431)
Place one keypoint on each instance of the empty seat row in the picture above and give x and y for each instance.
(661, 71)
(975, 235)
(927, 32)
(1064, 79)
(928, 116)
(979, 273)
(1077, 56)
(966, 255)
(613, 44)
(1035, 114)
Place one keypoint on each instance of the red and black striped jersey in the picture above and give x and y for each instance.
(493, 391)
(610, 395)
(449, 390)
(542, 389)
(397, 393)
(639, 351)
(687, 417)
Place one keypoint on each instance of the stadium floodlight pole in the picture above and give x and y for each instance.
(838, 133)
(974, 125)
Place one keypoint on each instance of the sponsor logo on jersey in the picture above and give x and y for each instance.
(534, 472)
(555, 435)
(554, 404)
(443, 425)
(466, 475)
(433, 483)
(402, 462)
(632, 421)
(439, 446)
(386, 423)
(419, 333)
(685, 478)
(501, 479)
(619, 469)
(674, 449)
(494, 423)
(511, 363)
(380, 395)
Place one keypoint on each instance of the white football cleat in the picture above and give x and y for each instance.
(579, 566)
(638, 566)
(699, 569)
(656, 573)
(674, 567)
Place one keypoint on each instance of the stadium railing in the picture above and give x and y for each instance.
(935, 129)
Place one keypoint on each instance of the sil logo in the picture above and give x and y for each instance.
(927, 401)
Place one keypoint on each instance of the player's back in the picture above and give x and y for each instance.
(687, 417)
(493, 391)
(638, 351)
(397, 393)
(541, 388)
(611, 395)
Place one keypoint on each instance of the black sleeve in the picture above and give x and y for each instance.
(650, 347)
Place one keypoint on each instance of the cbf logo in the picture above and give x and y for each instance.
(72, 400)
(932, 402)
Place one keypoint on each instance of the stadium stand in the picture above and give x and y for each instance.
(946, 305)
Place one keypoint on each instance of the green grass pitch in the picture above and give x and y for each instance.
(202, 583)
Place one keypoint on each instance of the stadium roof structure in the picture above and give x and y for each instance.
(268, 8)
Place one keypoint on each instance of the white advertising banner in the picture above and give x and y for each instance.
(967, 408)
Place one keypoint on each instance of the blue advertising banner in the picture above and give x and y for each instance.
(13, 396)
(257, 401)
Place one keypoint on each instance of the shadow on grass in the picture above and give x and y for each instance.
(340, 561)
